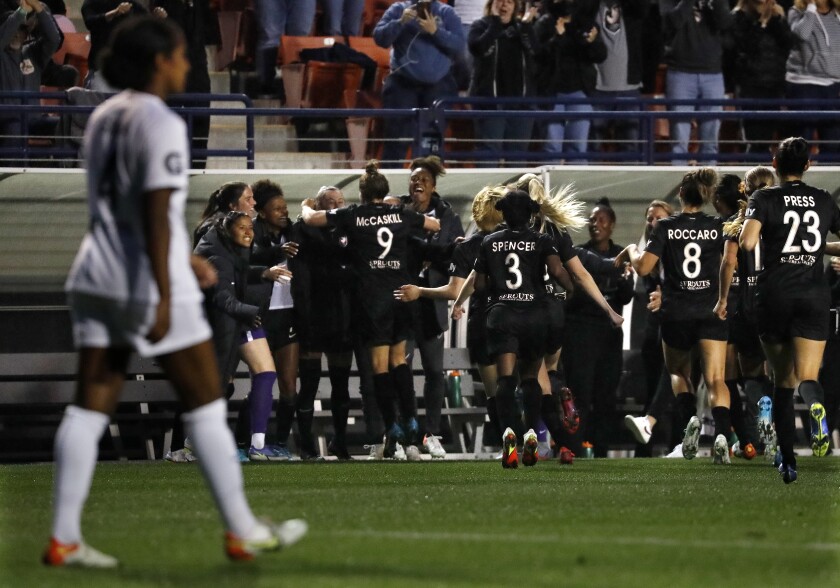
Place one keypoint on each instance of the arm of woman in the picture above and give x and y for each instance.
(643, 262)
(467, 289)
(157, 234)
(410, 293)
(224, 294)
(750, 234)
(728, 263)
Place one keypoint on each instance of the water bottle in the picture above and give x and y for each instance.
(453, 384)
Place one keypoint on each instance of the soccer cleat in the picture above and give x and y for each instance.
(510, 458)
(412, 453)
(268, 453)
(771, 449)
(339, 450)
(394, 434)
(766, 432)
(412, 432)
(529, 449)
(184, 455)
(571, 417)
(431, 443)
(79, 555)
(269, 537)
(639, 426)
(376, 451)
(777, 459)
(691, 439)
(788, 473)
(399, 453)
(745, 452)
(721, 451)
(566, 456)
(820, 438)
(676, 452)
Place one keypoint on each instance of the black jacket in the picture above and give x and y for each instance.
(228, 314)
(761, 53)
(566, 63)
(490, 43)
(691, 46)
(616, 289)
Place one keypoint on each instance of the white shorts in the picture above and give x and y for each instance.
(102, 322)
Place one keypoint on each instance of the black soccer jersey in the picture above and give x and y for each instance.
(566, 251)
(463, 261)
(514, 262)
(795, 220)
(750, 264)
(378, 235)
(689, 248)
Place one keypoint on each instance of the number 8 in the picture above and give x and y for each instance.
(692, 258)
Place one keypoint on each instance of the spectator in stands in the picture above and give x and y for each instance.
(503, 48)
(762, 40)
(569, 47)
(813, 68)
(276, 244)
(343, 17)
(276, 18)
(101, 18)
(693, 32)
(429, 257)
(59, 11)
(592, 351)
(620, 75)
(424, 39)
(201, 28)
(28, 39)
(468, 11)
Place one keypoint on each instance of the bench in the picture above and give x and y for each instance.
(35, 388)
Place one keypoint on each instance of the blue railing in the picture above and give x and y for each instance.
(430, 125)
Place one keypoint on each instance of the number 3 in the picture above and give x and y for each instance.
(512, 261)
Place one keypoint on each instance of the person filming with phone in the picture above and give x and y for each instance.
(425, 37)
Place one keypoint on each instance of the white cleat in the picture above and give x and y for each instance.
(639, 426)
(412, 453)
(266, 537)
(399, 453)
(677, 452)
(377, 451)
(691, 440)
(78, 555)
(721, 451)
(431, 443)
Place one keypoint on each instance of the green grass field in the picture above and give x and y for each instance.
(614, 523)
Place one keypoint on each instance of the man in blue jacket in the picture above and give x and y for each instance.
(425, 38)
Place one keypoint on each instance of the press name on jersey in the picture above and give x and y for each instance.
(799, 201)
(695, 284)
(808, 260)
(393, 264)
(514, 246)
(385, 219)
(516, 297)
(693, 234)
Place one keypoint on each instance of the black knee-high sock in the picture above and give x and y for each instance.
(404, 385)
(285, 417)
(532, 401)
(811, 391)
(506, 403)
(551, 417)
(557, 378)
(493, 417)
(785, 420)
(736, 414)
(383, 387)
(340, 401)
(309, 371)
(686, 408)
(723, 421)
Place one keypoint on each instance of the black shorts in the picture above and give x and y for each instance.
(556, 313)
(477, 339)
(329, 326)
(781, 318)
(684, 335)
(280, 328)
(743, 334)
(383, 321)
(522, 331)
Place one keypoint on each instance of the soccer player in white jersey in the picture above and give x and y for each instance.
(135, 287)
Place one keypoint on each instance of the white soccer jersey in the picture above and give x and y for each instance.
(133, 144)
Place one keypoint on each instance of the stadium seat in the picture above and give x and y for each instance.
(74, 51)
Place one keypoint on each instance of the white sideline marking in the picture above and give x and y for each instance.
(654, 541)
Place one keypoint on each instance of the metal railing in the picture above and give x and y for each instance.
(431, 127)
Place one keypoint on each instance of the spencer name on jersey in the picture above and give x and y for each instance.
(795, 221)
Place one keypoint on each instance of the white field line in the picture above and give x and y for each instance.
(574, 540)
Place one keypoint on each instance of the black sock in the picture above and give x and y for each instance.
(383, 386)
(785, 420)
(506, 403)
(532, 401)
(736, 414)
(493, 417)
(557, 378)
(811, 391)
(723, 421)
(551, 417)
(285, 417)
(686, 408)
(309, 371)
(340, 401)
(404, 385)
